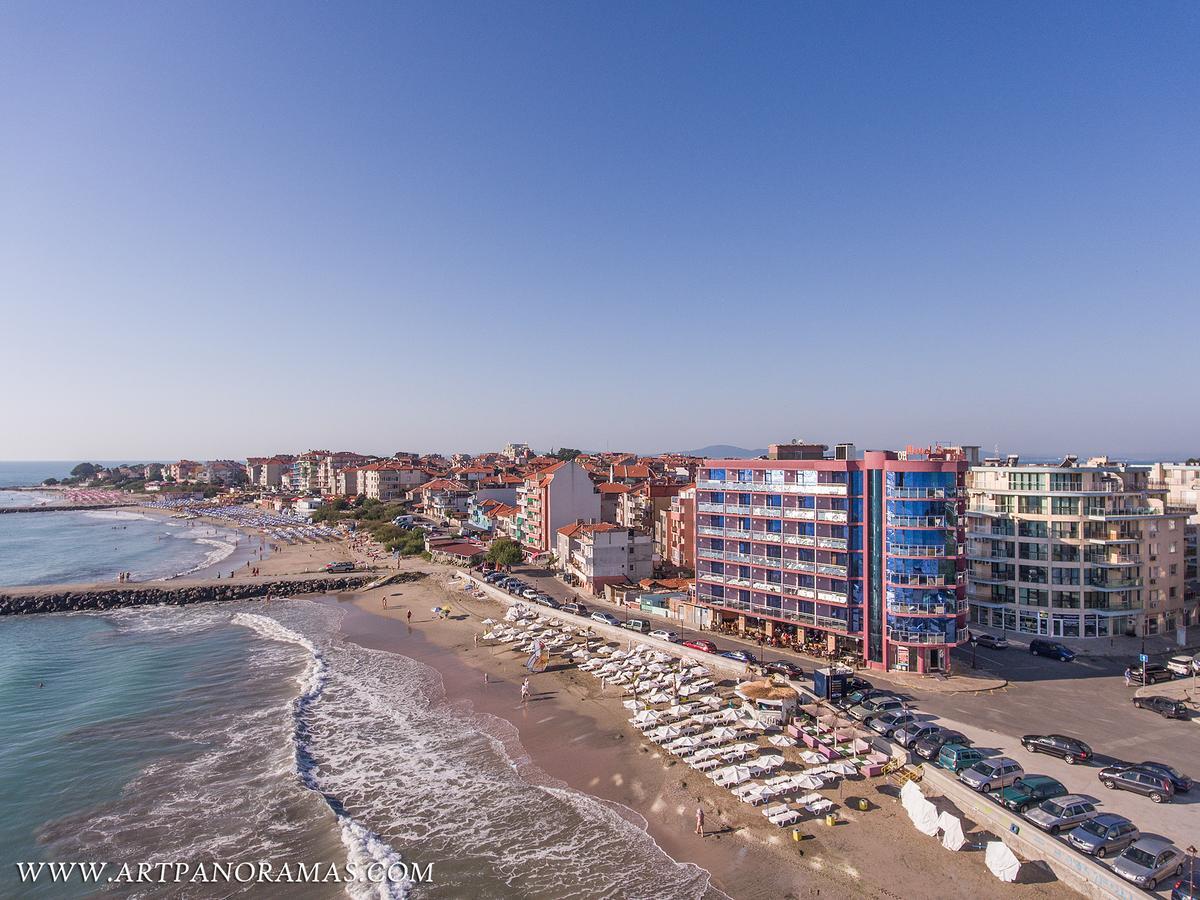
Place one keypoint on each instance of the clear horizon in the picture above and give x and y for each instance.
(242, 229)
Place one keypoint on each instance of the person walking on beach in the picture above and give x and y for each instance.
(525, 691)
(700, 821)
(408, 618)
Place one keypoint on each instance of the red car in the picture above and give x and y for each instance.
(706, 646)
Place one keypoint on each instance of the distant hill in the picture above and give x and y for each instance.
(724, 451)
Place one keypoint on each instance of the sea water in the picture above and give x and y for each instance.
(251, 731)
(94, 545)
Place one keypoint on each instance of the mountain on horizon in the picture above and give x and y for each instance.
(724, 451)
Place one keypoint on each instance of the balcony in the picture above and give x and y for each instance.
(766, 537)
(1115, 561)
(832, 515)
(799, 513)
(705, 553)
(920, 493)
(709, 531)
(1124, 584)
(762, 487)
(916, 522)
(919, 550)
(920, 637)
(1129, 512)
(901, 579)
(923, 609)
(831, 543)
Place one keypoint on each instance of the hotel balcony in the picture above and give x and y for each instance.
(1115, 561)
(981, 578)
(901, 579)
(918, 522)
(762, 487)
(897, 636)
(1124, 584)
(1132, 512)
(923, 551)
(922, 493)
(924, 609)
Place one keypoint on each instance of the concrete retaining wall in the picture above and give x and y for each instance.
(1078, 872)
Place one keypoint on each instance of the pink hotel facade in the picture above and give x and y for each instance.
(864, 556)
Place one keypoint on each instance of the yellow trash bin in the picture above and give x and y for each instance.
(862, 805)
(831, 819)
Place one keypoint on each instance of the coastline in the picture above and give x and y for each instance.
(574, 734)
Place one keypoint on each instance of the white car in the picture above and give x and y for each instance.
(671, 636)
(1183, 665)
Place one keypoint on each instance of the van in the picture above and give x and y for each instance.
(956, 757)
(992, 774)
(637, 625)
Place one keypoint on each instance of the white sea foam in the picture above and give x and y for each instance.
(363, 846)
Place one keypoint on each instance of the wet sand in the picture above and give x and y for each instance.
(576, 733)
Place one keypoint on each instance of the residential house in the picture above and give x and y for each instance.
(550, 498)
(600, 553)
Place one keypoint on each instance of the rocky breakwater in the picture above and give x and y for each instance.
(90, 598)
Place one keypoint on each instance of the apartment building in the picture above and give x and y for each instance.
(551, 497)
(389, 480)
(674, 531)
(1072, 551)
(600, 553)
(862, 556)
(640, 505)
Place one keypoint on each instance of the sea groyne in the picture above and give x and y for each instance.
(64, 507)
(24, 601)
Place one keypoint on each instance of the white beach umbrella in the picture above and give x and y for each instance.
(806, 781)
(780, 740)
(841, 768)
(723, 734)
(668, 733)
(812, 757)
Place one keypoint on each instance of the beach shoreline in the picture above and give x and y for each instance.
(574, 733)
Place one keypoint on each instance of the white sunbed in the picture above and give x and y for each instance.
(787, 817)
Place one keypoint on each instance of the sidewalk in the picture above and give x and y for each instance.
(940, 684)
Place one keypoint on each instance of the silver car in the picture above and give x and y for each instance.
(1148, 861)
(1106, 833)
(1061, 812)
(991, 774)
(876, 706)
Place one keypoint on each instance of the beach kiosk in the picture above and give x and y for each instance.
(770, 702)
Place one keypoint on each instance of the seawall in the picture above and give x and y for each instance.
(25, 601)
(65, 507)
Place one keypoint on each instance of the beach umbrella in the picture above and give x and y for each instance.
(666, 733)
(661, 697)
(688, 742)
(841, 768)
(811, 757)
(722, 734)
(780, 740)
(807, 782)
(645, 717)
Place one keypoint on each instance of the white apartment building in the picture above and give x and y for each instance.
(1070, 551)
(600, 553)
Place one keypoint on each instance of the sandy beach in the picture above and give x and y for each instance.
(575, 733)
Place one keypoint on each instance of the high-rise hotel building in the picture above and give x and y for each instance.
(1071, 551)
(861, 554)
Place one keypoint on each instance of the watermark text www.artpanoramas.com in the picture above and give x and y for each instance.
(260, 872)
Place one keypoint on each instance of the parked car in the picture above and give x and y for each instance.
(1129, 778)
(1183, 665)
(1030, 790)
(1061, 813)
(784, 668)
(1153, 673)
(547, 600)
(913, 732)
(854, 683)
(990, 640)
(931, 745)
(958, 758)
(991, 774)
(1179, 781)
(876, 706)
(1149, 860)
(854, 698)
(639, 625)
(1166, 707)
(740, 655)
(661, 634)
(339, 567)
(530, 593)
(887, 723)
(493, 577)
(576, 609)
(699, 644)
(1070, 750)
(1052, 649)
(1106, 833)
(605, 618)
(1187, 887)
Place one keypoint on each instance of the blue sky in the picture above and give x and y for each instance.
(231, 229)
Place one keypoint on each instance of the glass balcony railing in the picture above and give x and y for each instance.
(762, 487)
(922, 493)
(920, 637)
(921, 550)
(917, 522)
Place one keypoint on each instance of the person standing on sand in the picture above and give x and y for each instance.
(700, 821)
(525, 691)
(408, 618)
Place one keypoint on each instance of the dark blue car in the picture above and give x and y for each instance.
(741, 655)
(1052, 649)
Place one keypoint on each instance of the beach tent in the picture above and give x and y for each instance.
(924, 814)
(1001, 861)
(952, 833)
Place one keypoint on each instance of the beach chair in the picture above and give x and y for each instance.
(787, 817)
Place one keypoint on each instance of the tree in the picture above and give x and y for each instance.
(84, 470)
(154, 472)
(566, 454)
(50, 482)
(504, 553)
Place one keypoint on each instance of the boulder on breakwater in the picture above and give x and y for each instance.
(91, 598)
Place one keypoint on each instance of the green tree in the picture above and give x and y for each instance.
(84, 470)
(50, 481)
(566, 454)
(154, 472)
(504, 553)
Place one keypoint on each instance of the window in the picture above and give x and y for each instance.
(1030, 505)
(1064, 506)
(1066, 481)
(1026, 481)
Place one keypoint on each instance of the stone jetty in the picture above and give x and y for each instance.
(21, 601)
